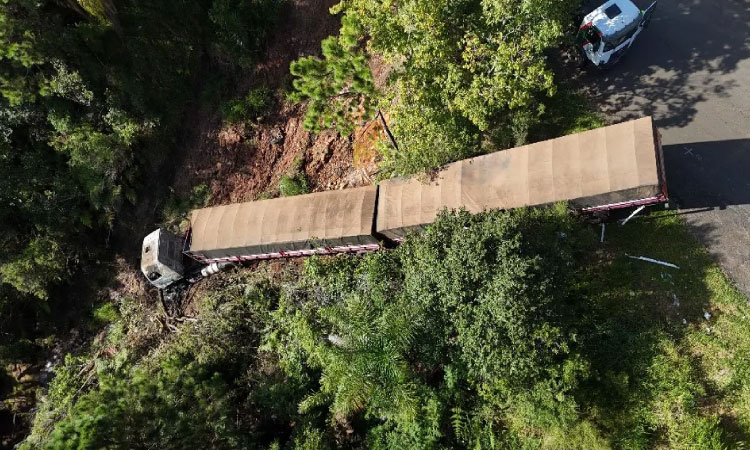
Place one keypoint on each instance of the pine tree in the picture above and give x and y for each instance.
(339, 87)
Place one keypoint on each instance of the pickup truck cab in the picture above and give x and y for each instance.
(608, 31)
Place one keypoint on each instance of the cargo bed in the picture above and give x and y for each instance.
(319, 223)
(606, 168)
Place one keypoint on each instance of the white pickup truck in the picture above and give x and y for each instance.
(608, 31)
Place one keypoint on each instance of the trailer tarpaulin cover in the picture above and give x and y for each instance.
(599, 167)
(302, 222)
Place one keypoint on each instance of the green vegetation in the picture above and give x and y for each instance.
(673, 370)
(240, 29)
(248, 108)
(339, 87)
(104, 315)
(93, 98)
(92, 94)
(465, 77)
(566, 112)
(176, 209)
(500, 330)
(294, 183)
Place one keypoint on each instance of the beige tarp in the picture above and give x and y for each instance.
(303, 222)
(599, 167)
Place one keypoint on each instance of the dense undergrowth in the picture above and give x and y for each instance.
(93, 101)
(501, 330)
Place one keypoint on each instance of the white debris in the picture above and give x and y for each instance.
(676, 301)
(684, 321)
(637, 210)
(602, 238)
(706, 315)
(336, 340)
(651, 260)
(708, 330)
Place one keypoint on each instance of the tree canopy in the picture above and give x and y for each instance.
(92, 97)
(459, 72)
(500, 330)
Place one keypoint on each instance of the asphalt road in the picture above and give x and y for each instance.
(691, 71)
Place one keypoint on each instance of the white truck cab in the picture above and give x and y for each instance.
(608, 31)
(161, 258)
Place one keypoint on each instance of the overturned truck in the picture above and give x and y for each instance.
(612, 167)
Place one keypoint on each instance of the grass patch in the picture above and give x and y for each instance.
(665, 370)
(293, 185)
(103, 315)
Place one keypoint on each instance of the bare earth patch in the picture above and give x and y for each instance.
(242, 162)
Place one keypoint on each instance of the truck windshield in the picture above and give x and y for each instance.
(590, 34)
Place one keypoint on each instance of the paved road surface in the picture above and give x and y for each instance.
(691, 70)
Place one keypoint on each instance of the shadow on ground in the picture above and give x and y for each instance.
(645, 334)
(722, 167)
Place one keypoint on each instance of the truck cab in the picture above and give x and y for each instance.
(161, 258)
(608, 31)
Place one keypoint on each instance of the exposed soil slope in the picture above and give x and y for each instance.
(242, 162)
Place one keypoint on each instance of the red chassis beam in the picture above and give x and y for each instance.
(289, 254)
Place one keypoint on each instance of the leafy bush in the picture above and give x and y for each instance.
(104, 315)
(177, 208)
(249, 108)
(501, 330)
(181, 406)
(209, 387)
(294, 183)
(475, 305)
(427, 137)
(339, 87)
(93, 97)
(566, 112)
(458, 72)
(32, 271)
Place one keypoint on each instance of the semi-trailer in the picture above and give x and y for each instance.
(617, 166)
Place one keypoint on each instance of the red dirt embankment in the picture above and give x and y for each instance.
(241, 162)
